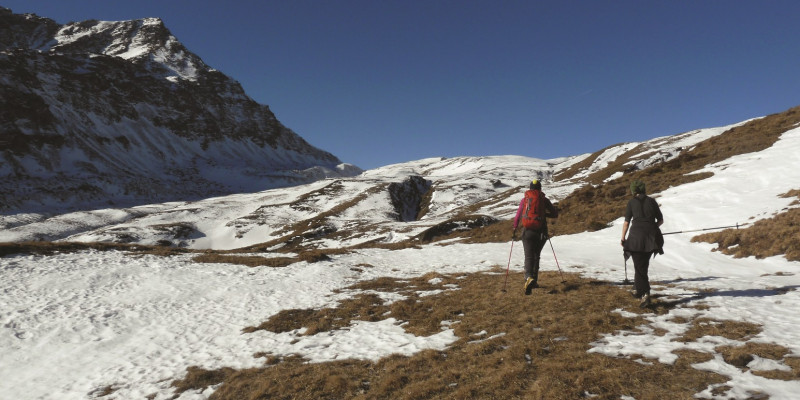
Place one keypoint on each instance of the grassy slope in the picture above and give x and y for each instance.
(765, 238)
(579, 311)
(510, 346)
(594, 206)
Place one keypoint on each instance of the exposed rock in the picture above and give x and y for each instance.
(407, 197)
(100, 113)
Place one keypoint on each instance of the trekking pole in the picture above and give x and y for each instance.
(509, 259)
(708, 229)
(554, 256)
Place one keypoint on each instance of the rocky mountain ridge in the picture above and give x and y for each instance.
(99, 113)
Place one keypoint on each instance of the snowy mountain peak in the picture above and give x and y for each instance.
(146, 41)
(97, 113)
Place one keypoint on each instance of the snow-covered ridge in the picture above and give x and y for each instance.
(112, 113)
(145, 40)
(373, 211)
(640, 155)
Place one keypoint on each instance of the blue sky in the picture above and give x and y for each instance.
(378, 82)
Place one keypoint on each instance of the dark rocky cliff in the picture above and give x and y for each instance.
(100, 113)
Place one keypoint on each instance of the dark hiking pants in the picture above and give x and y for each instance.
(532, 242)
(641, 264)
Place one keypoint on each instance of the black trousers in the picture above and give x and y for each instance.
(641, 264)
(533, 242)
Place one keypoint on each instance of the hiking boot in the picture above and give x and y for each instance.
(645, 301)
(529, 285)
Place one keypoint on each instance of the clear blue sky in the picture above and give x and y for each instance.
(378, 82)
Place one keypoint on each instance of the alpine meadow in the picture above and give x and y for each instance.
(164, 236)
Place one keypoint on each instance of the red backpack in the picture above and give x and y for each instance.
(533, 215)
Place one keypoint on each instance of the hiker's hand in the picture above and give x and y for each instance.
(622, 242)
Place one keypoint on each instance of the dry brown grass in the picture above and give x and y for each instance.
(740, 356)
(318, 226)
(765, 238)
(596, 205)
(734, 330)
(510, 346)
(622, 163)
(225, 256)
(467, 225)
(793, 375)
(514, 192)
(250, 261)
(50, 248)
(203, 256)
(104, 391)
(792, 193)
(367, 307)
(197, 377)
(578, 167)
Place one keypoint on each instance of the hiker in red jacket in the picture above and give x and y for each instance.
(533, 211)
(645, 239)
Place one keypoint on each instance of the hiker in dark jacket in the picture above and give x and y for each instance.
(533, 240)
(644, 218)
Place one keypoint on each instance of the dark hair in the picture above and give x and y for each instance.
(536, 185)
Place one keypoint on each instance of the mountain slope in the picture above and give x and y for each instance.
(595, 206)
(473, 198)
(427, 319)
(96, 113)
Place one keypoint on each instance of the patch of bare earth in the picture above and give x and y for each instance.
(510, 346)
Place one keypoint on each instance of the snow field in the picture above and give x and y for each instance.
(72, 324)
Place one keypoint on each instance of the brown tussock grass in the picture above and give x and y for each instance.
(304, 230)
(765, 238)
(497, 232)
(598, 176)
(203, 256)
(734, 330)
(576, 168)
(471, 226)
(596, 205)
(740, 356)
(250, 261)
(224, 257)
(199, 378)
(104, 391)
(365, 307)
(492, 200)
(793, 375)
(510, 346)
(792, 193)
(50, 248)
